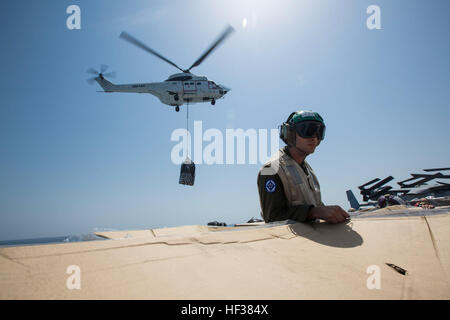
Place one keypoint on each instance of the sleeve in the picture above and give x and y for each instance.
(274, 204)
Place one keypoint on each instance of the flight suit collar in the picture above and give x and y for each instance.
(302, 165)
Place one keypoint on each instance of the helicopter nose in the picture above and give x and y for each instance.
(224, 89)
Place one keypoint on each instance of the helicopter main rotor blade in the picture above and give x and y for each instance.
(222, 37)
(139, 44)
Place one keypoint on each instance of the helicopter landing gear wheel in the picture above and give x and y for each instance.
(213, 101)
(177, 109)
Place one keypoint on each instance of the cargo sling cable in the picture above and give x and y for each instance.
(187, 172)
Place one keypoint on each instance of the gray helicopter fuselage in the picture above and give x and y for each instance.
(177, 90)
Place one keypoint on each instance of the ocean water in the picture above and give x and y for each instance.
(62, 239)
(51, 240)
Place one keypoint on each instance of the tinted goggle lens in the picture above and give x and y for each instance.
(309, 129)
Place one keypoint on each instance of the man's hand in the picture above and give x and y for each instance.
(332, 214)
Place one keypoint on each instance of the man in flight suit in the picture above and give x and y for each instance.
(287, 185)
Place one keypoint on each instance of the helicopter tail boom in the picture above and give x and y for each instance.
(105, 84)
(130, 88)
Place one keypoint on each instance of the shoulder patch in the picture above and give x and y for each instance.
(270, 185)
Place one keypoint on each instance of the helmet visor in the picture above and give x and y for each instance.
(309, 129)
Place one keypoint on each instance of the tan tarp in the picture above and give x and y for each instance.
(288, 261)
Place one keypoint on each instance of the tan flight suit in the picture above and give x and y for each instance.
(287, 190)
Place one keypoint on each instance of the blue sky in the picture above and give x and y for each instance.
(72, 159)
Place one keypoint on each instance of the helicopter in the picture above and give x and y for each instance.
(177, 89)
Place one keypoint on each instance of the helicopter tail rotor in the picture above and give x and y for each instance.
(101, 74)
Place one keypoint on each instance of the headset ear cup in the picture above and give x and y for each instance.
(292, 137)
(283, 135)
(287, 134)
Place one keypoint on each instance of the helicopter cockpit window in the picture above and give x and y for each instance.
(212, 84)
